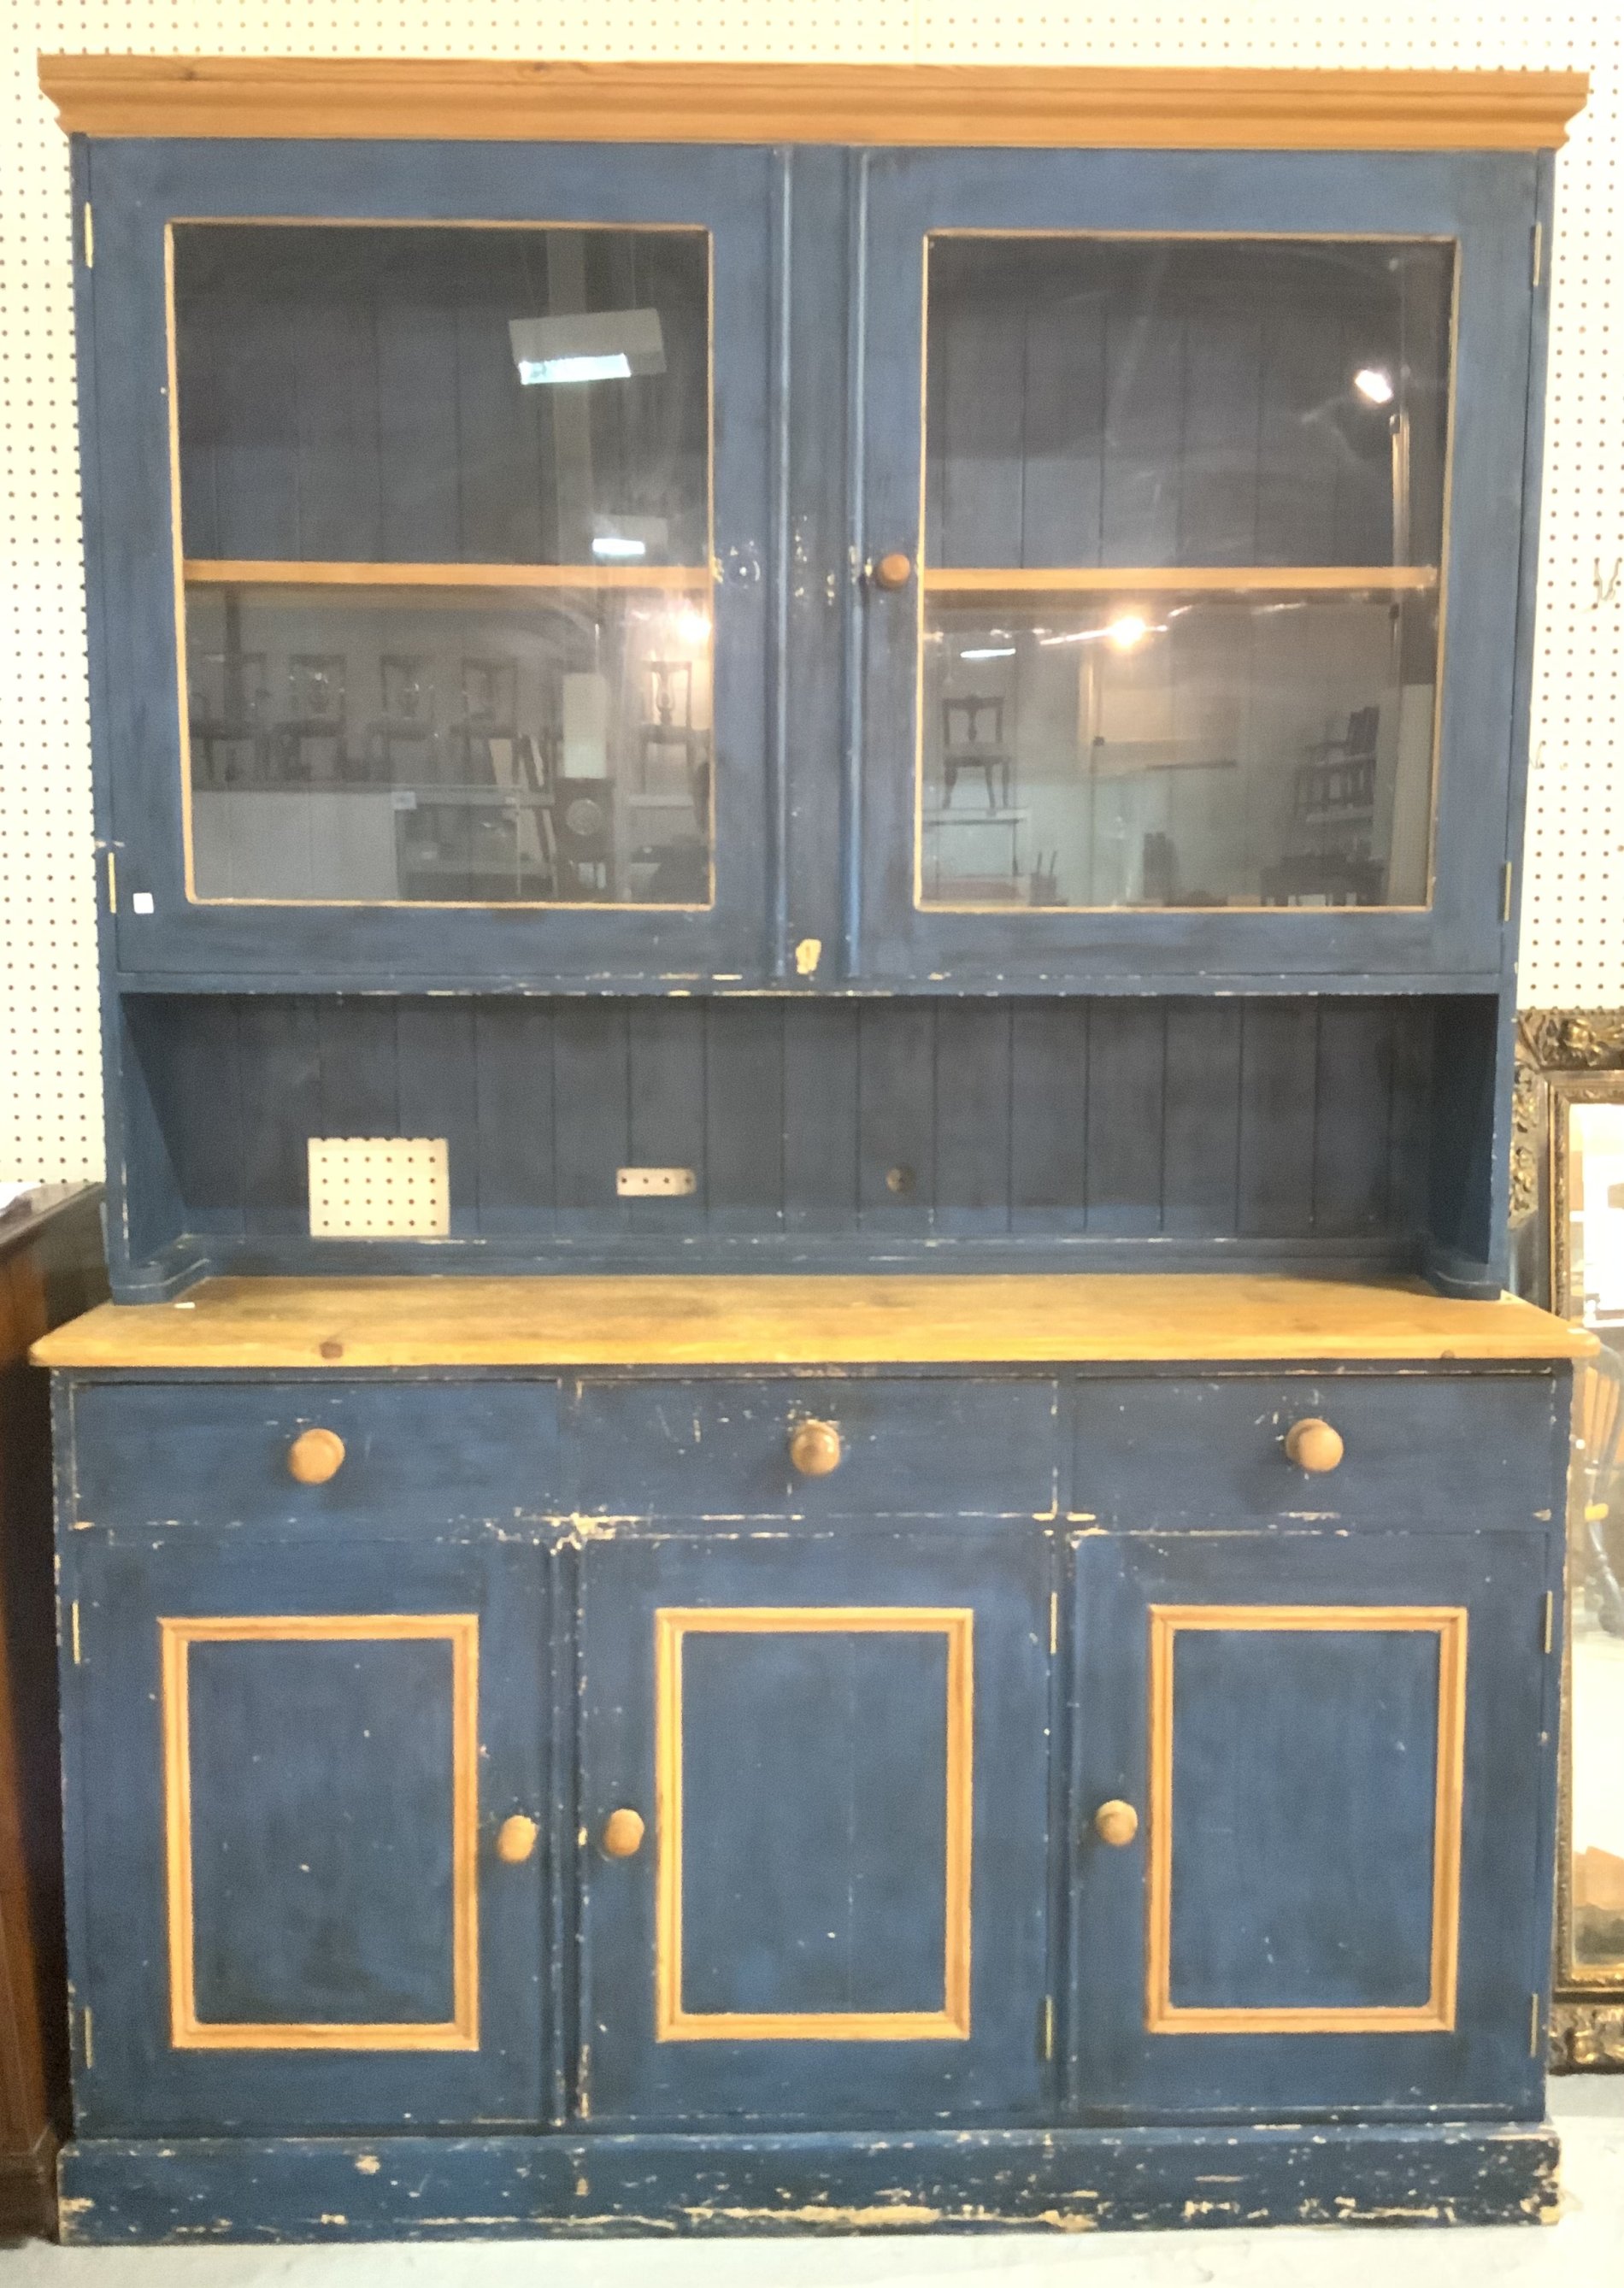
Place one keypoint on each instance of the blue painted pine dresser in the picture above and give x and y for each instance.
(808, 1503)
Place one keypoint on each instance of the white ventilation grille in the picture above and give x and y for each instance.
(1573, 927)
(379, 1188)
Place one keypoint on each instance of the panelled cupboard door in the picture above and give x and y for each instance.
(1339, 1752)
(815, 1815)
(290, 1762)
(429, 506)
(1193, 507)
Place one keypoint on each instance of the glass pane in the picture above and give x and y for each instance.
(1184, 527)
(1592, 1196)
(445, 521)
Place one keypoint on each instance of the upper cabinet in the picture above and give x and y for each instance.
(461, 471)
(1200, 483)
(642, 565)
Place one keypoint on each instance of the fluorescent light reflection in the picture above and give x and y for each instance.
(548, 372)
(616, 547)
(991, 651)
(1374, 385)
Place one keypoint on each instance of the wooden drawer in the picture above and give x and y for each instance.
(1449, 1450)
(914, 1448)
(217, 1452)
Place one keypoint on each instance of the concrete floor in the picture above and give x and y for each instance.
(1584, 2250)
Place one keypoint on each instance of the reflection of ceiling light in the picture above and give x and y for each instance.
(694, 627)
(630, 539)
(1125, 632)
(614, 365)
(1374, 386)
(587, 346)
(991, 651)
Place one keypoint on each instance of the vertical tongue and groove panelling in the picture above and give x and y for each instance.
(1195, 1120)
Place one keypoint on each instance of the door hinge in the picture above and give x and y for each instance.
(74, 1619)
(1534, 2025)
(1047, 2038)
(1054, 1621)
(90, 2038)
(89, 236)
(1505, 892)
(1538, 250)
(1547, 1624)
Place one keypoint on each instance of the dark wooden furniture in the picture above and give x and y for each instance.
(750, 1713)
(51, 1268)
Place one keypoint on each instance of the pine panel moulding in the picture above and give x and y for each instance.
(1014, 105)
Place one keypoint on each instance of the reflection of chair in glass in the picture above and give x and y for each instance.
(485, 736)
(226, 702)
(316, 718)
(1598, 1430)
(667, 736)
(970, 750)
(407, 722)
(515, 767)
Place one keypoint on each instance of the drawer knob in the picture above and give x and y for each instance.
(623, 1832)
(314, 1457)
(815, 1449)
(516, 1839)
(1116, 1823)
(1314, 1445)
(893, 570)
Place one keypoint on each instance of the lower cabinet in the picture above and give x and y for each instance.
(798, 1819)
(290, 1764)
(835, 1754)
(1337, 1753)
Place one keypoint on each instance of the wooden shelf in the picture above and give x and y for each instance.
(1123, 108)
(1217, 579)
(292, 572)
(336, 1325)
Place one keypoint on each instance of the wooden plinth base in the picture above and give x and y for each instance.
(1067, 2180)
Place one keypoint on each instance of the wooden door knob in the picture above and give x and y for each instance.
(314, 1457)
(623, 1832)
(1116, 1823)
(893, 570)
(516, 1839)
(1314, 1445)
(815, 1449)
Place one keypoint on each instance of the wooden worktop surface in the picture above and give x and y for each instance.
(764, 1320)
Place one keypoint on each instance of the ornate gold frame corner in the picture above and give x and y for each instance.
(1563, 1057)
(1587, 2035)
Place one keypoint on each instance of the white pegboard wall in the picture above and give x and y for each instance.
(1573, 929)
(379, 1187)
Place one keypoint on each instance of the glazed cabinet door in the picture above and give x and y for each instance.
(1313, 1796)
(429, 505)
(814, 1818)
(305, 1790)
(1192, 516)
